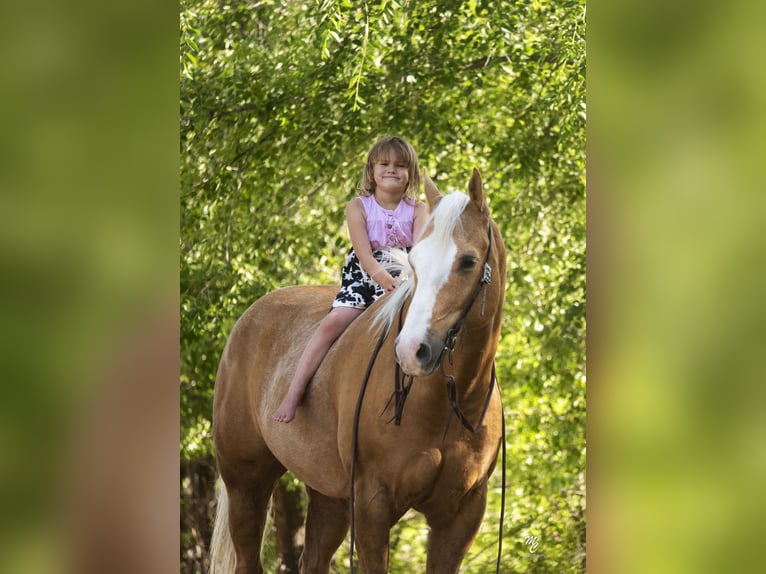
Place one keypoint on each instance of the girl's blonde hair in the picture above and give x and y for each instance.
(384, 149)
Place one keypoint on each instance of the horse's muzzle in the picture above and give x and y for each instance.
(418, 358)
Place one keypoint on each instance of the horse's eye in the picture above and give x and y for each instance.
(467, 262)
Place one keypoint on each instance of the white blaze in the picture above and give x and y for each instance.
(432, 261)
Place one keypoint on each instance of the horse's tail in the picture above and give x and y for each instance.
(223, 560)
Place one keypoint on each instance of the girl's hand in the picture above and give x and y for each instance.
(387, 282)
(390, 286)
(384, 279)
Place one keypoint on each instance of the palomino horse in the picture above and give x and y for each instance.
(455, 295)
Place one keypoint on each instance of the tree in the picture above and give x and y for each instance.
(280, 101)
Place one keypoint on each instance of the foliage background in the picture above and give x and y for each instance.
(280, 101)
(89, 252)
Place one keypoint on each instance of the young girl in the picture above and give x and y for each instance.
(386, 214)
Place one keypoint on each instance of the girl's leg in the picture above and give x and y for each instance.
(329, 329)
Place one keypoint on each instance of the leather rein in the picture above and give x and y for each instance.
(401, 391)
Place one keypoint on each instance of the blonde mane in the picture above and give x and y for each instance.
(443, 221)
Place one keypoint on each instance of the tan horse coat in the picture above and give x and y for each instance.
(397, 467)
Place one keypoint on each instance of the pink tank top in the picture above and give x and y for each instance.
(387, 228)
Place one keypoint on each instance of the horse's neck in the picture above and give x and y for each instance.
(477, 343)
(473, 354)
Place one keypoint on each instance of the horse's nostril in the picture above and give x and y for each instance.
(424, 353)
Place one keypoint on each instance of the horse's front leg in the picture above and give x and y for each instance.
(452, 533)
(373, 515)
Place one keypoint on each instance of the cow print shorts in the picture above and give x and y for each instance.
(358, 289)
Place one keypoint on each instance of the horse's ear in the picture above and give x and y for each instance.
(476, 190)
(432, 194)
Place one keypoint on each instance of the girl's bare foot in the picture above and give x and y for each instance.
(286, 411)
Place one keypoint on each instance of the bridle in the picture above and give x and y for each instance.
(401, 390)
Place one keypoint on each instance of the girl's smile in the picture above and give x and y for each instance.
(391, 176)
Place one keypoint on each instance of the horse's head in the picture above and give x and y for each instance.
(452, 263)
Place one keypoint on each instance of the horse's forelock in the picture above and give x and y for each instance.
(446, 217)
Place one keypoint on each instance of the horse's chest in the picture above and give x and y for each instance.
(444, 470)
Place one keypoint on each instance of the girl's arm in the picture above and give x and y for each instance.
(357, 231)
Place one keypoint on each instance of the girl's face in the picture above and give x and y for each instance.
(391, 175)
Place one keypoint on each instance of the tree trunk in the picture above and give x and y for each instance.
(197, 513)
